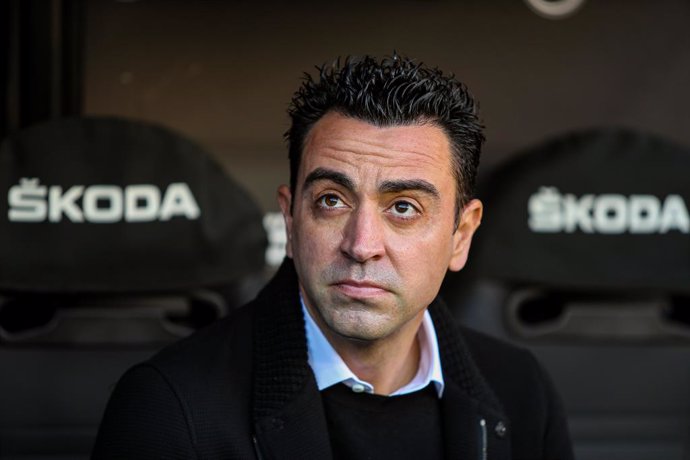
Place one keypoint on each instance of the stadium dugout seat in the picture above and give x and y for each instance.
(116, 238)
(583, 257)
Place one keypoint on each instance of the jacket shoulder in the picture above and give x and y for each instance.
(192, 399)
(527, 395)
(512, 372)
(496, 355)
(211, 349)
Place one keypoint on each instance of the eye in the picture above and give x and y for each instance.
(330, 201)
(404, 209)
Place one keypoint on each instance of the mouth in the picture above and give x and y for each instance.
(360, 289)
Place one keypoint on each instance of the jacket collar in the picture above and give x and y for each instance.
(288, 415)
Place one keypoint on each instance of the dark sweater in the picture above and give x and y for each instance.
(368, 427)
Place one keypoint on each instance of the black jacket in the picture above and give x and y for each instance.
(243, 389)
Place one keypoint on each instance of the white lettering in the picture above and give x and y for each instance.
(577, 213)
(644, 213)
(27, 201)
(545, 211)
(65, 204)
(142, 203)
(30, 202)
(674, 215)
(552, 212)
(179, 201)
(110, 199)
(611, 214)
(274, 224)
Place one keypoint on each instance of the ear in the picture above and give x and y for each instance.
(470, 218)
(285, 202)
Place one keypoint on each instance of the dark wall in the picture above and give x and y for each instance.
(40, 61)
(223, 72)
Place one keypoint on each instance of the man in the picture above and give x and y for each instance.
(348, 353)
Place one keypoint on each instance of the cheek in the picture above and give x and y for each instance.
(313, 241)
(432, 241)
(423, 261)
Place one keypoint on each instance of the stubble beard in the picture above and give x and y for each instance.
(359, 320)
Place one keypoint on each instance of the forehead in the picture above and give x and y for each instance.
(361, 148)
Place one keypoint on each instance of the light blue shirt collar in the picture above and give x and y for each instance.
(330, 369)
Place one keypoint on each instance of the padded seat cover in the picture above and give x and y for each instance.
(100, 205)
(599, 208)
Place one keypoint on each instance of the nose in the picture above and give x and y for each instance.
(363, 237)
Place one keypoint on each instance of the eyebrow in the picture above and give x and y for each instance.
(389, 186)
(397, 186)
(320, 174)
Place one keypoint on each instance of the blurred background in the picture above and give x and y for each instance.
(221, 74)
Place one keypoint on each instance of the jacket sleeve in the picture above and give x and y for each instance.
(144, 419)
(557, 443)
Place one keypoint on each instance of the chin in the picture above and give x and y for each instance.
(358, 324)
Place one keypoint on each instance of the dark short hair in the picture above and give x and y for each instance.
(392, 91)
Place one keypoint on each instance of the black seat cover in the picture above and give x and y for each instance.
(106, 204)
(598, 208)
(583, 256)
(116, 237)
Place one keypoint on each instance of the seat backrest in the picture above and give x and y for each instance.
(583, 256)
(116, 237)
(108, 205)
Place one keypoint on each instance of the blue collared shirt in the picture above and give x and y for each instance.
(330, 369)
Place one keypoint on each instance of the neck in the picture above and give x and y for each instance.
(388, 363)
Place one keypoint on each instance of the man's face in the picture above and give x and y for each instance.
(372, 229)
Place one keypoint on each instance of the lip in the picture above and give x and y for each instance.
(360, 289)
